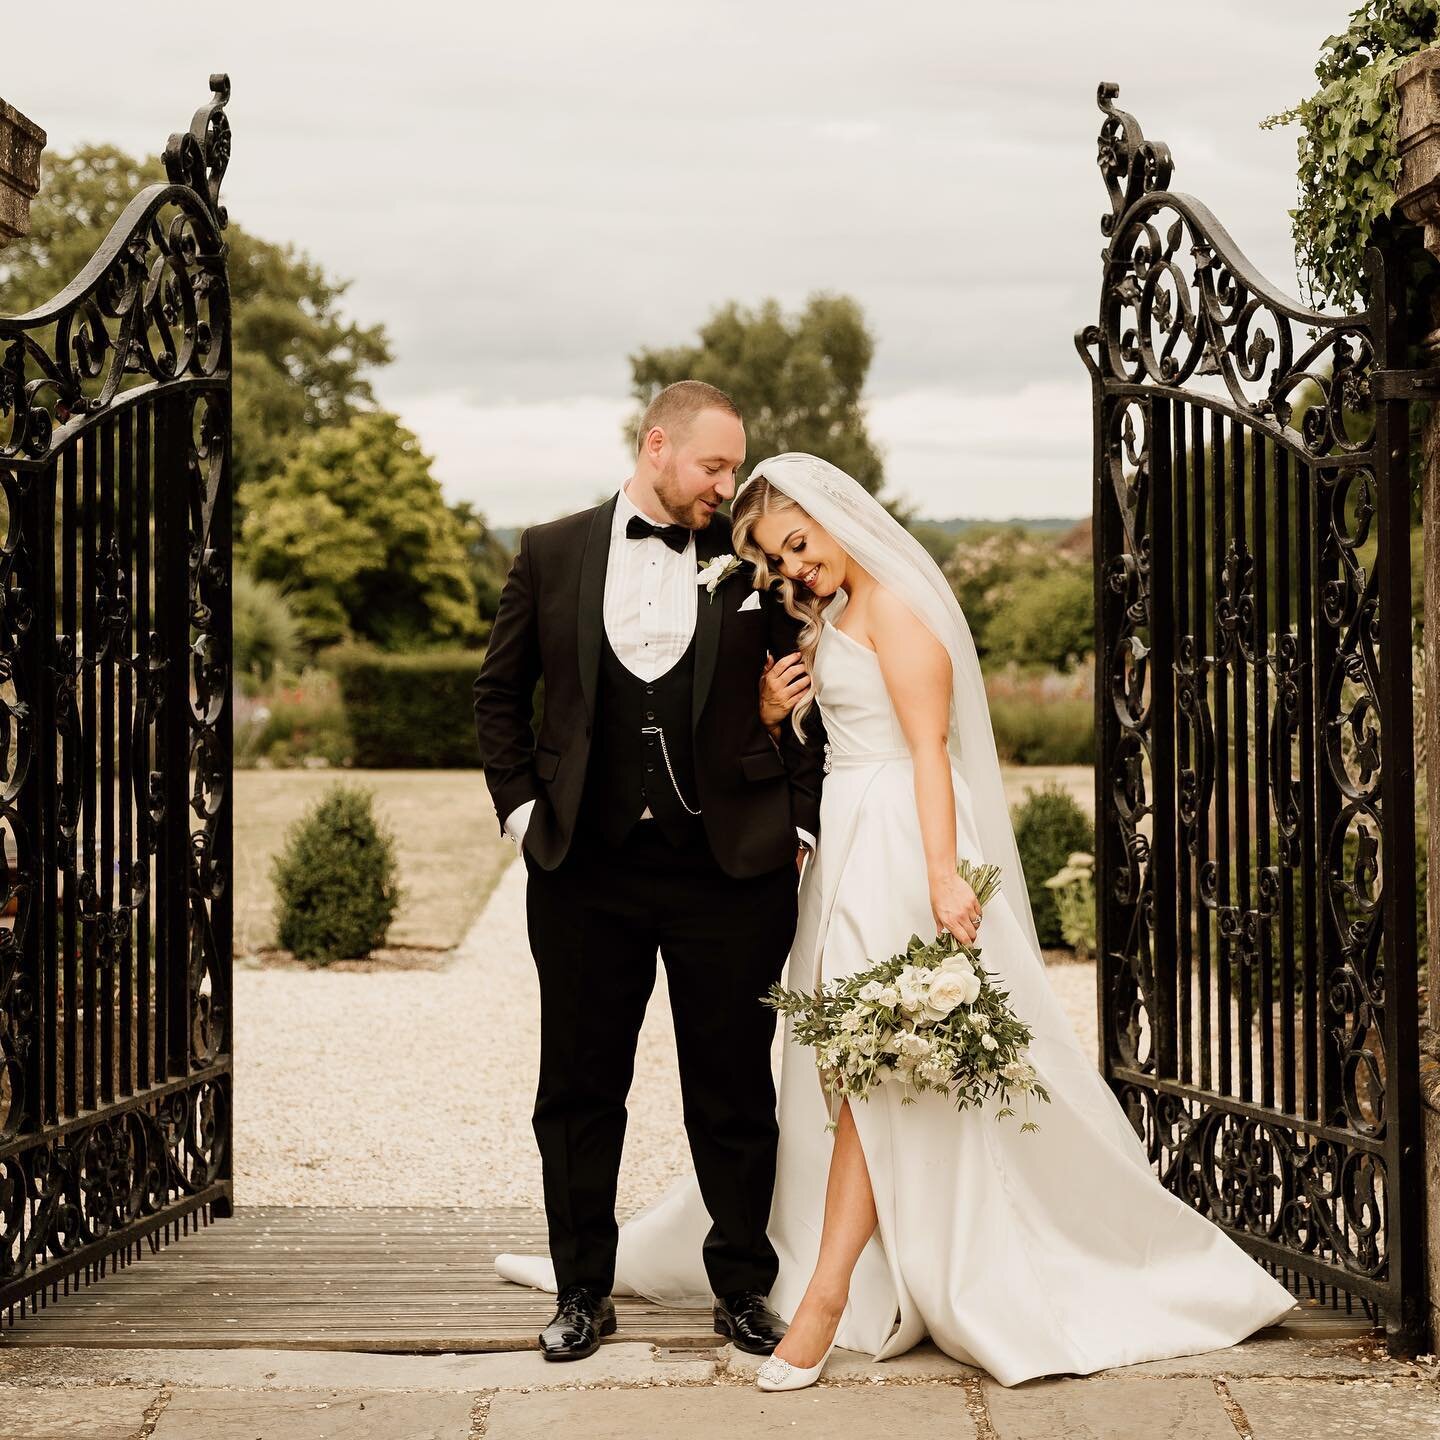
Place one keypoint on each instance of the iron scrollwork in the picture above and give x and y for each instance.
(1246, 421)
(115, 582)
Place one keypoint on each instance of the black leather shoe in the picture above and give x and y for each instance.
(582, 1320)
(748, 1322)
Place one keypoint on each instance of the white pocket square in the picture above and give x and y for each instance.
(752, 602)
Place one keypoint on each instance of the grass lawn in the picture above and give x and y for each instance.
(450, 849)
(448, 843)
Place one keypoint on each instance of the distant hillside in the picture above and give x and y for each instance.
(1043, 525)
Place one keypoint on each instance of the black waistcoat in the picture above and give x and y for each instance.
(627, 769)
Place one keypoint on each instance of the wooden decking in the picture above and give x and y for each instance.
(290, 1277)
(411, 1280)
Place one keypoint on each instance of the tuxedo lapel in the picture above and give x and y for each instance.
(709, 611)
(590, 622)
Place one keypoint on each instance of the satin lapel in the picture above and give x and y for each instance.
(590, 622)
(708, 613)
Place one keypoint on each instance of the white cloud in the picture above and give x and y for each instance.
(526, 195)
(522, 462)
(953, 452)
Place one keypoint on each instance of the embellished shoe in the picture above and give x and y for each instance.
(777, 1374)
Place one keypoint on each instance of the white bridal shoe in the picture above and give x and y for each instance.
(777, 1374)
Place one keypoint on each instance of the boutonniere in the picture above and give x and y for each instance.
(713, 575)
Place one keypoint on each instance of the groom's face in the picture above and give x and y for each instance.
(697, 468)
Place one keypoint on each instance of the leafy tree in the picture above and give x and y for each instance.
(1045, 618)
(984, 563)
(299, 364)
(487, 556)
(356, 528)
(797, 381)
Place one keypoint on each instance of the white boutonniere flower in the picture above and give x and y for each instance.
(720, 569)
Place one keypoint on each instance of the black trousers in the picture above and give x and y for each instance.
(595, 925)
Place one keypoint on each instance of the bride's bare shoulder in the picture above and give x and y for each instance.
(898, 630)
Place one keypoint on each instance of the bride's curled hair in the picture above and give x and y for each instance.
(759, 497)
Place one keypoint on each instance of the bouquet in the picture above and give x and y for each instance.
(929, 1018)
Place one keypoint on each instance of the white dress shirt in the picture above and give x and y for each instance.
(651, 592)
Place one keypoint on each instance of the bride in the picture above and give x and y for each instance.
(1050, 1252)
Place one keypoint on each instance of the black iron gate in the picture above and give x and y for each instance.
(115, 741)
(1255, 783)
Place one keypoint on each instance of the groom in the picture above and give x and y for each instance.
(654, 812)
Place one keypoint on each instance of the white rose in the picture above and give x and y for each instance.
(947, 991)
(988, 1041)
(889, 997)
(871, 990)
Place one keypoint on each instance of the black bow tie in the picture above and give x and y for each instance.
(677, 537)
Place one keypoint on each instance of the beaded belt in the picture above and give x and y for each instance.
(861, 757)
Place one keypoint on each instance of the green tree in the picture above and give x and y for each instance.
(487, 557)
(354, 525)
(1044, 619)
(299, 364)
(797, 381)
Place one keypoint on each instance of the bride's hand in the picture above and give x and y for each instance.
(783, 684)
(956, 908)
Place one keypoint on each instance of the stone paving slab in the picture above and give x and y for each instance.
(314, 1415)
(924, 1362)
(1363, 1410)
(1109, 1410)
(729, 1412)
(28, 1414)
(1296, 1357)
(612, 1364)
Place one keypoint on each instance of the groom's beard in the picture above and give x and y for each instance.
(682, 509)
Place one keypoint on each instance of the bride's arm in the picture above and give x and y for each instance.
(916, 668)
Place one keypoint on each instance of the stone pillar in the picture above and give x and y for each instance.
(21, 142)
(1417, 87)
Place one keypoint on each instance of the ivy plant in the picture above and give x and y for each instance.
(1349, 147)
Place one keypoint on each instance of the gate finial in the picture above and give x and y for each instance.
(1131, 164)
(197, 157)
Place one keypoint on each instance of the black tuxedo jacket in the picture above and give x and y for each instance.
(752, 793)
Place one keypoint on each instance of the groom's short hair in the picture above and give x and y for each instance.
(677, 405)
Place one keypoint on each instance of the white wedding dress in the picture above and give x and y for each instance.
(1024, 1254)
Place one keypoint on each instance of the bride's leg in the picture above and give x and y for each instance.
(850, 1220)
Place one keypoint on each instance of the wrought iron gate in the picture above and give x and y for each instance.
(115, 741)
(1255, 778)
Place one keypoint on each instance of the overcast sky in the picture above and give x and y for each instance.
(527, 194)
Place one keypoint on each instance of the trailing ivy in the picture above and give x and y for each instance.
(1348, 148)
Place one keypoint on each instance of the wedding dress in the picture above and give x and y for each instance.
(1026, 1254)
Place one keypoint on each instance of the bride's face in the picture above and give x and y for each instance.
(801, 549)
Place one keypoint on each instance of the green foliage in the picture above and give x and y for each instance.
(336, 884)
(797, 382)
(294, 724)
(1049, 732)
(267, 636)
(1044, 619)
(1348, 146)
(299, 364)
(1073, 887)
(1049, 827)
(356, 528)
(411, 711)
(982, 567)
(487, 557)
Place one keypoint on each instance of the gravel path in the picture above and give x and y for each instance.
(415, 1087)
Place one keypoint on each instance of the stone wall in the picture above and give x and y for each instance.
(1417, 84)
(21, 142)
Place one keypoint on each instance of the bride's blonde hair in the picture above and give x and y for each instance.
(759, 497)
